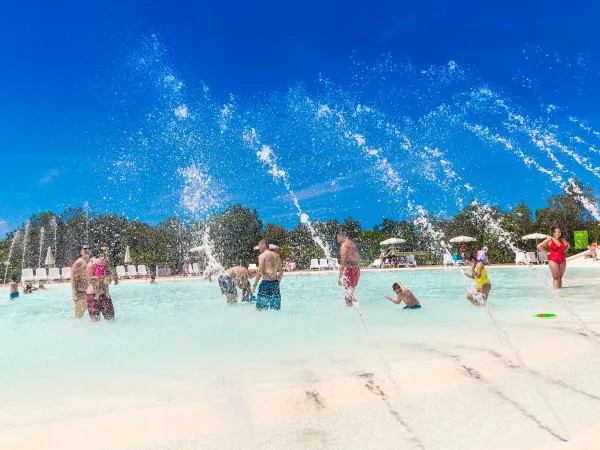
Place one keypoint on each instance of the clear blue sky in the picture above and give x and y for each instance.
(72, 97)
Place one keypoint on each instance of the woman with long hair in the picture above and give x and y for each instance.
(557, 261)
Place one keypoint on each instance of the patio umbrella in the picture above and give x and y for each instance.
(393, 241)
(271, 247)
(128, 259)
(49, 258)
(462, 240)
(536, 236)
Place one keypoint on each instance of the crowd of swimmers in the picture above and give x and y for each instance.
(91, 278)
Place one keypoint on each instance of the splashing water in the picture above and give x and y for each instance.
(12, 244)
(25, 236)
(42, 231)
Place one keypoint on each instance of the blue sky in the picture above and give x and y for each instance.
(72, 96)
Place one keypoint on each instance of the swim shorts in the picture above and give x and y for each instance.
(102, 304)
(14, 294)
(227, 285)
(269, 296)
(351, 276)
(412, 307)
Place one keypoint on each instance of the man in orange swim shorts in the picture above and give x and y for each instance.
(349, 267)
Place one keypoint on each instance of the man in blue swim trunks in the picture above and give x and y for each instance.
(404, 295)
(270, 269)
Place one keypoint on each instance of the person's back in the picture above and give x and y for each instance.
(272, 268)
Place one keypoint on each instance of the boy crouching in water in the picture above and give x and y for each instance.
(404, 295)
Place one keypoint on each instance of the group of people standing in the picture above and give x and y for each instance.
(90, 281)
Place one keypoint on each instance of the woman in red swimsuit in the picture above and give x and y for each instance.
(557, 260)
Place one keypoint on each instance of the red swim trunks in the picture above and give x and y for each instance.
(101, 304)
(351, 276)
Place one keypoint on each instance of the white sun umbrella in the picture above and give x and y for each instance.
(393, 241)
(271, 247)
(49, 258)
(535, 236)
(128, 259)
(460, 239)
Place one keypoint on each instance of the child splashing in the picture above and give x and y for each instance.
(478, 295)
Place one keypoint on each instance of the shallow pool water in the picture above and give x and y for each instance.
(174, 341)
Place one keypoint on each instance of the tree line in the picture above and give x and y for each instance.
(235, 231)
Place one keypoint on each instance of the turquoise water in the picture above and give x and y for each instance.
(172, 340)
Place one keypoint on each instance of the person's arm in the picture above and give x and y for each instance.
(343, 257)
(477, 274)
(259, 273)
(542, 245)
(396, 300)
(466, 274)
(567, 245)
(89, 271)
(74, 280)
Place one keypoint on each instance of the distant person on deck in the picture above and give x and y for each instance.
(233, 278)
(593, 247)
(79, 282)
(483, 285)
(186, 266)
(404, 295)
(270, 270)
(349, 267)
(557, 261)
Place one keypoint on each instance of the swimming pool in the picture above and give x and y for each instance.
(188, 371)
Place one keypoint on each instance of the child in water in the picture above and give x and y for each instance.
(404, 295)
(14, 287)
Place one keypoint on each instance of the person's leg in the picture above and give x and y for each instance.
(231, 298)
(107, 307)
(554, 269)
(80, 305)
(485, 291)
(93, 308)
(561, 271)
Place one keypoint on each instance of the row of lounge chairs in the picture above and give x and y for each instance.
(41, 274)
(531, 258)
(409, 262)
(131, 271)
(324, 264)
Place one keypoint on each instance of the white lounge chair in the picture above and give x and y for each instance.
(543, 257)
(142, 271)
(121, 273)
(411, 261)
(27, 275)
(532, 258)
(333, 263)
(376, 263)
(65, 273)
(520, 258)
(196, 269)
(252, 267)
(448, 261)
(323, 264)
(132, 271)
(54, 274)
(41, 274)
(314, 264)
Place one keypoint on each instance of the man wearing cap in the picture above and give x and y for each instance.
(79, 282)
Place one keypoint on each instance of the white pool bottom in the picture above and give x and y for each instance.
(180, 369)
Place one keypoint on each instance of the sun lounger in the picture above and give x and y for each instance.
(520, 258)
(333, 263)
(65, 273)
(41, 274)
(54, 274)
(532, 258)
(448, 261)
(376, 263)
(132, 271)
(27, 275)
(142, 271)
(411, 261)
(252, 267)
(314, 264)
(323, 264)
(121, 273)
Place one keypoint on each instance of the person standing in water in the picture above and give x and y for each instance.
(270, 270)
(404, 295)
(557, 261)
(483, 285)
(13, 287)
(79, 282)
(99, 273)
(349, 267)
(236, 276)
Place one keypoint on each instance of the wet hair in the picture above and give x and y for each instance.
(395, 286)
(265, 241)
(553, 229)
